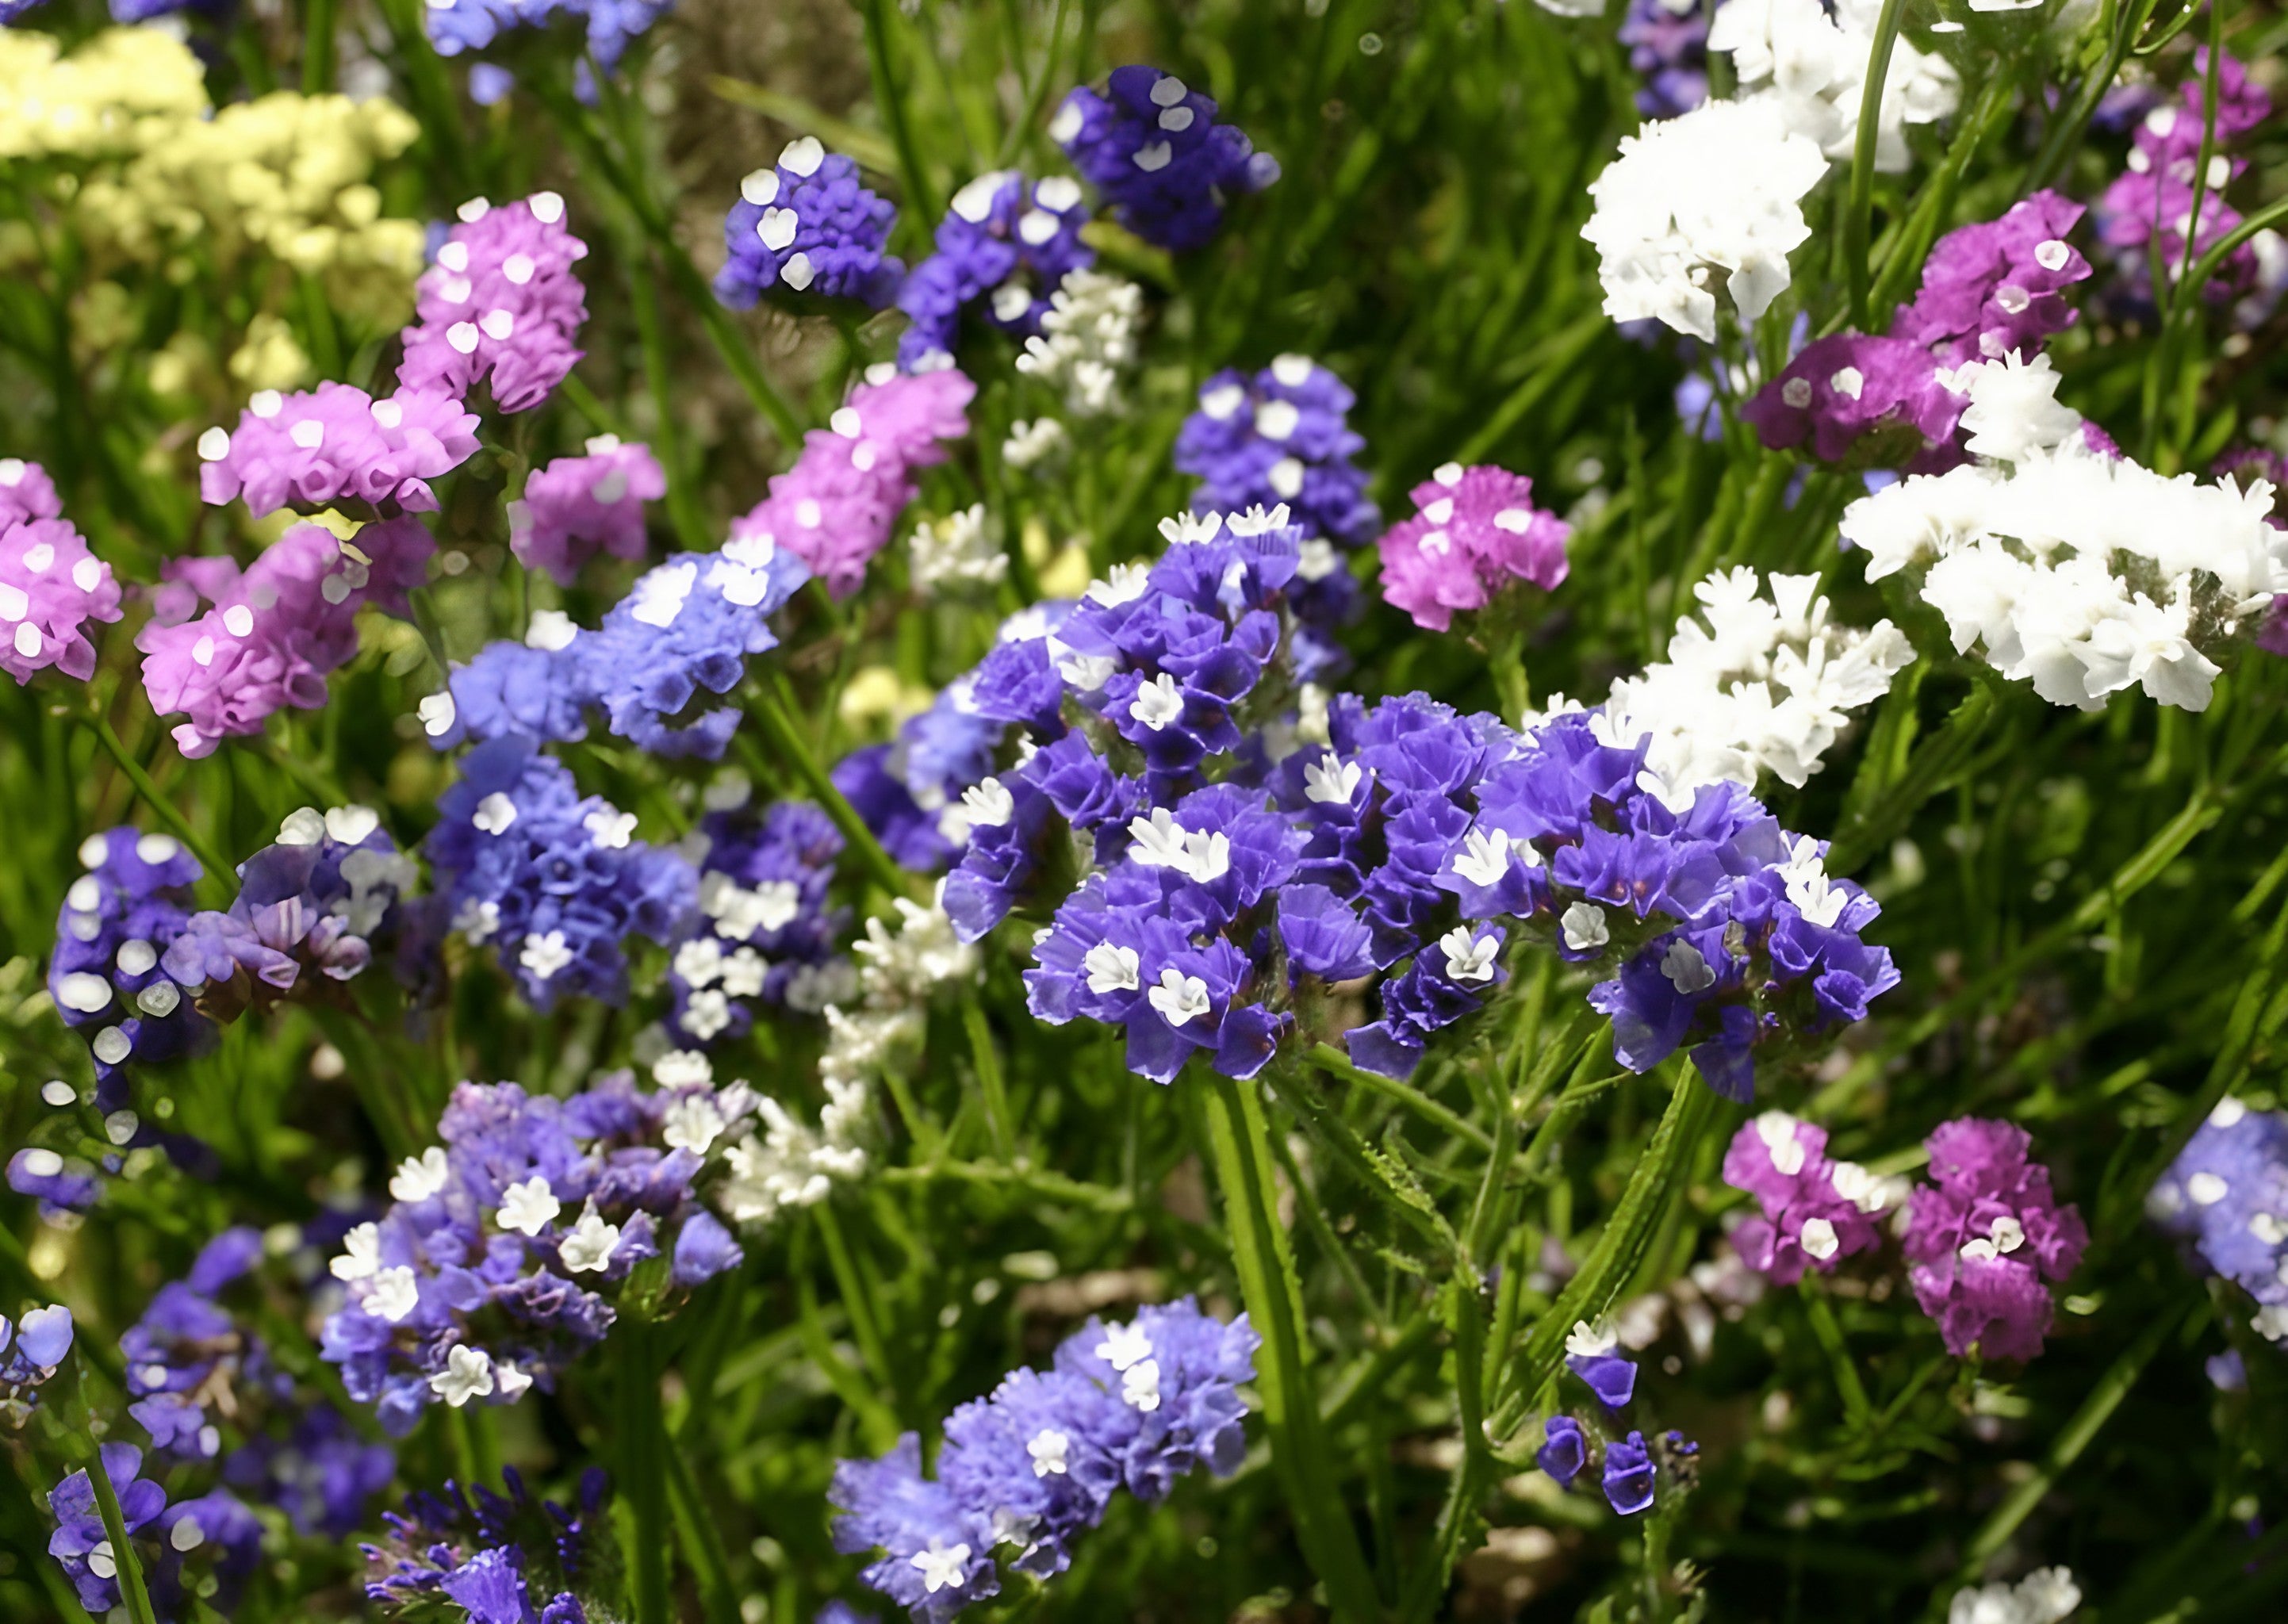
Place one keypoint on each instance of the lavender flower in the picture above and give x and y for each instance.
(611, 25)
(1629, 1475)
(29, 1353)
(1475, 534)
(51, 585)
(500, 303)
(338, 447)
(578, 506)
(1991, 288)
(502, 1559)
(1006, 240)
(119, 920)
(1872, 402)
(2155, 197)
(766, 934)
(1279, 438)
(204, 1548)
(2226, 1195)
(807, 225)
(1565, 1450)
(1815, 1211)
(1152, 148)
(1668, 45)
(1987, 1238)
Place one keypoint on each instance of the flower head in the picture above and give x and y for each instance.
(1150, 145)
(807, 225)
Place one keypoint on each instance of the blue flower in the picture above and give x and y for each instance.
(1629, 1475)
(1566, 1452)
(807, 225)
(1006, 240)
(935, 1550)
(1153, 149)
(1279, 437)
(119, 921)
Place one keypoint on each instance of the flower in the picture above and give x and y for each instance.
(118, 922)
(1476, 531)
(1279, 438)
(956, 550)
(2045, 1595)
(1816, 1212)
(500, 304)
(1589, 1354)
(764, 934)
(1848, 388)
(807, 225)
(1566, 1450)
(577, 506)
(1997, 287)
(51, 585)
(1810, 66)
(2154, 197)
(337, 446)
(1150, 145)
(1668, 45)
(41, 1337)
(1985, 1236)
(1629, 1474)
(502, 1559)
(2226, 1195)
(1006, 240)
(1086, 344)
(471, 25)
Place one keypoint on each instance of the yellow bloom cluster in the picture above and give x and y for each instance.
(109, 98)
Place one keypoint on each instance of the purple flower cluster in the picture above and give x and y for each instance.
(495, 1265)
(1005, 239)
(500, 1559)
(275, 630)
(336, 446)
(1876, 401)
(194, 1550)
(766, 933)
(908, 791)
(1279, 437)
(118, 922)
(1668, 46)
(2154, 197)
(1815, 1211)
(1630, 1469)
(809, 224)
(1475, 533)
(1987, 1240)
(2226, 1195)
(455, 25)
(1136, 1406)
(30, 1350)
(501, 303)
(578, 506)
(51, 585)
(1151, 146)
(1999, 287)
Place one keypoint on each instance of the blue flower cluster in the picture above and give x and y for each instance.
(29, 1353)
(1005, 239)
(470, 1285)
(809, 224)
(201, 1550)
(455, 25)
(1631, 1468)
(684, 627)
(1152, 148)
(767, 934)
(107, 976)
(1281, 436)
(523, 859)
(501, 1559)
(2226, 1196)
(1136, 1406)
(908, 791)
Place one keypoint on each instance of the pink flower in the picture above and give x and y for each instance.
(1476, 531)
(1815, 1210)
(579, 505)
(337, 446)
(501, 302)
(275, 630)
(1985, 1236)
(51, 585)
(25, 491)
(835, 507)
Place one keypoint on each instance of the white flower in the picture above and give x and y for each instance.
(2013, 409)
(1469, 958)
(495, 813)
(2043, 1596)
(988, 804)
(692, 1123)
(1163, 843)
(1087, 341)
(1049, 1449)
(1124, 1346)
(528, 1206)
(1812, 68)
(468, 1373)
(1585, 1341)
(1331, 780)
(609, 828)
(1818, 1240)
(510, 1383)
(546, 953)
(1030, 444)
(1140, 1386)
(361, 1254)
(941, 1569)
(419, 1178)
(588, 1248)
(1111, 968)
(392, 1295)
(1157, 702)
(955, 551)
(1776, 1130)
(1179, 997)
(1583, 926)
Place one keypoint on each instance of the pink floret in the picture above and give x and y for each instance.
(336, 446)
(1475, 534)
(1988, 1239)
(580, 505)
(51, 585)
(501, 303)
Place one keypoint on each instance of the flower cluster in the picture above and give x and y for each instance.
(500, 1559)
(956, 551)
(1087, 341)
(523, 860)
(610, 25)
(275, 630)
(51, 585)
(1815, 1211)
(192, 1551)
(808, 224)
(1151, 147)
(2227, 1194)
(1006, 240)
(1997, 287)
(119, 920)
(499, 1262)
(1631, 1469)
(834, 509)
(1809, 65)
(1668, 47)
(766, 934)
(29, 1353)
(1137, 1407)
(338, 447)
(2154, 197)
(2047, 1596)
(578, 506)
(500, 304)
(1475, 533)
(910, 791)
(1987, 1239)
(1280, 438)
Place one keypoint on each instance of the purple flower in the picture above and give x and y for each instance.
(532, 691)
(80, 1544)
(118, 922)
(1566, 1450)
(1279, 437)
(338, 447)
(51, 585)
(1848, 388)
(1006, 240)
(1986, 1239)
(1629, 1475)
(1815, 1211)
(40, 1340)
(1668, 45)
(764, 931)
(66, 1184)
(578, 506)
(1152, 148)
(1997, 287)
(2226, 1195)
(495, 1556)
(2155, 197)
(809, 226)
(936, 1550)
(500, 303)
(1476, 532)
(1323, 937)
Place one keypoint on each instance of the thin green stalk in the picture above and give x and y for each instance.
(892, 104)
(764, 706)
(701, 1543)
(989, 1075)
(1830, 1337)
(156, 799)
(643, 1448)
(651, 332)
(1336, 1064)
(1039, 95)
(857, 1293)
(129, 1570)
(2064, 133)
(1861, 201)
(1241, 1144)
(317, 47)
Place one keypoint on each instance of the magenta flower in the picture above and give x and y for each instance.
(578, 506)
(1988, 1239)
(2155, 195)
(1999, 286)
(1815, 1210)
(1850, 387)
(51, 585)
(835, 507)
(337, 446)
(275, 630)
(1477, 532)
(501, 302)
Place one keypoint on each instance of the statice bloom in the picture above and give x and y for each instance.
(552, 879)
(1807, 65)
(471, 25)
(1814, 1211)
(119, 920)
(1150, 145)
(766, 933)
(1591, 1353)
(1086, 347)
(497, 1558)
(501, 305)
(1987, 1240)
(578, 506)
(1863, 402)
(51, 585)
(336, 446)
(1137, 1407)
(1668, 47)
(1999, 286)
(30, 1350)
(809, 224)
(2155, 196)
(2047, 1596)
(315, 902)
(59, 1183)
(910, 791)
(276, 630)
(496, 1266)
(1006, 240)
(834, 509)
(1629, 1469)
(2226, 1196)
(1279, 437)
(195, 1550)
(1474, 533)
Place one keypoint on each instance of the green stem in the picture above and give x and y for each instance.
(128, 1570)
(767, 709)
(857, 1294)
(1861, 204)
(643, 1447)
(989, 1074)
(920, 197)
(317, 47)
(1829, 1337)
(156, 799)
(1266, 1266)
(651, 332)
(701, 1543)
(1336, 1064)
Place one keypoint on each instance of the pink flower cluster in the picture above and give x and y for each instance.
(580, 505)
(1815, 1210)
(501, 302)
(275, 630)
(834, 509)
(2155, 195)
(337, 446)
(1987, 1238)
(1477, 532)
(51, 585)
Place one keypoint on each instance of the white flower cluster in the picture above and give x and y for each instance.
(1720, 188)
(2081, 573)
(2045, 1595)
(1087, 341)
(1812, 68)
(955, 550)
(1765, 686)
